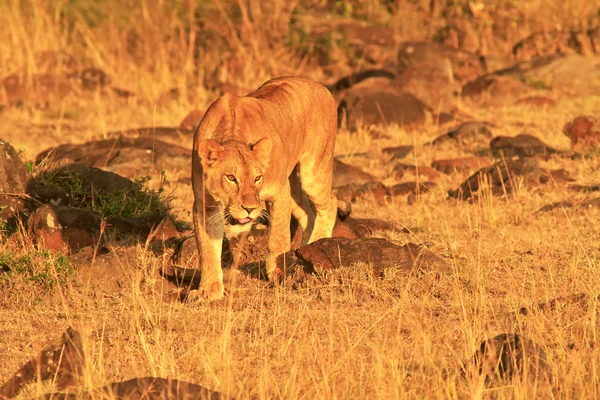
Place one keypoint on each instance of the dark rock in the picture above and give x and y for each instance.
(432, 83)
(500, 176)
(60, 228)
(464, 164)
(381, 105)
(345, 174)
(351, 228)
(587, 203)
(469, 136)
(466, 66)
(191, 121)
(511, 356)
(407, 188)
(522, 145)
(538, 101)
(583, 131)
(130, 157)
(13, 182)
(355, 78)
(353, 191)
(37, 89)
(91, 79)
(180, 136)
(62, 361)
(398, 152)
(495, 90)
(584, 188)
(13, 175)
(146, 388)
(331, 253)
(69, 228)
(400, 170)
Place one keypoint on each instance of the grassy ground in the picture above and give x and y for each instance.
(347, 335)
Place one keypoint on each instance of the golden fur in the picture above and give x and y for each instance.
(274, 145)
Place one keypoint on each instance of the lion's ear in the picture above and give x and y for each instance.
(262, 150)
(209, 149)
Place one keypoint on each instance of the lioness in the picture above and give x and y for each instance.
(274, 145)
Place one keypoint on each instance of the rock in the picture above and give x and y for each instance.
(90, 79)
(398, 152)
(354, 191)
(345, 174)
(13, 174)
(62, 361)
(501, 177)
(584, 132)
(466, 66)
(146, 388)
(354, 79)
(470, 136)
(584, 188)
(511, 356)
(522, 145)
(13, 182)
(559, 303)
(408, 188)
(61, 228)
(587, 203)
(165, 235)
(129, 157)
(464, 164)
(432, 83)
(38, 89)
(180, 136)
(537, 101)
(331, 253)
(381, 105)
(351, 228)
(558, 41)
(191, 121)
(400, 170)
(495, 90)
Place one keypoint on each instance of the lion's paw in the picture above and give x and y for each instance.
(209, 291)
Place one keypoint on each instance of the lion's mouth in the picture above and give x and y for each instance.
(238, 221)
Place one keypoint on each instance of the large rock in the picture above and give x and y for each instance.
(501, 177)
(472, 137)
(495, 90)
(62, 361)
(464, 164)
(331, 253)
(381, 105)
(63, 228)
(466, 66)
(14, 178)
(346, 174)
(354, 191)
(583, 131)
(522, 145)
(510, 356)
(130, 157)
(432, 83)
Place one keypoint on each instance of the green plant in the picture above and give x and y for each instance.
(42, 268)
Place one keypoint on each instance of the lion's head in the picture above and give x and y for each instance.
(233, 175)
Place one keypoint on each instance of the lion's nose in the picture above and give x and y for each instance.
(249, 209)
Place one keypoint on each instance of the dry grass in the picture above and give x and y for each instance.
(347, 335)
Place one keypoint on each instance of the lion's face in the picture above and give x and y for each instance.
(233, 175)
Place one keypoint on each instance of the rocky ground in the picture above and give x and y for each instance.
(463, 262)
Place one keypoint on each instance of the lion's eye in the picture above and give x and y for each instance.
(230, 178)
(258, 179)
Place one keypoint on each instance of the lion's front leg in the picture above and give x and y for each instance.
(208, 225)
(279, 233)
